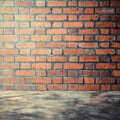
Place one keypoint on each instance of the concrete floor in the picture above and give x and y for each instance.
(59, 105)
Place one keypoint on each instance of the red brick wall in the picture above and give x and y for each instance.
(60, 45)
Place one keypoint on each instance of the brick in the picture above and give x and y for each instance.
(26, 45)
(25, 59)
(72, 3)
(8, 10)
(56, 44)
(54, 73)
(57, 87)
(73, 24)
(56, 31)
(40, 58)
(25, 73)
(8, 3)
(115, 31)
(115, 58)
(9, 66)
(40, 17)
(9, 59)
(8, 51)
(89, 65)
(105, 24)
(25, 80)
(89, 80)
(24, 17)
(57, 51)
(41, 24)
(24, 51)
(73, 87)
(89, 87)
(41, 87)
(56, 17)
(56, 10)
(9, 45)
(73, 80)
(25, 87)
(73, 38)
(24, 3)
(41, 38)
(104, 45)
(25, 31)
(41, 51)
(105, 66)
(24, 10)
(9, 31)
(9, 80)
(88, 31)
(115, 17)
(57, 65)
(105, 87)
(9, 73)
(89, 59)
(72, 44)
(72, 17)
(40, 10)
(41, 80)
(89, 24)
(56, 3)
(105, 80)
(41, 73)
(73, 66)
(8, 17)
(88, 51)
(115, 3)
(88, 3)
(88, 45)
(8, 38)
(89, 37)
(41, 45)
(57, 80)
(73, 51)
(57, 24)
(116, 87)
(73, 59)
(105, 51)
(72, 10)
(8, 24)
(40, 3)
(104, 10)
(89, 17)
(105, 38)
(104, 58)
(89, 10)
(104, 3)
(40, 31)
(57, 59)
(90, 73)
(24, 37)
(41, 65)
(105, 17)
(72, 73)
(9, 87)
(116, 73)
(104, 73)
(25, 65)
(1, 59)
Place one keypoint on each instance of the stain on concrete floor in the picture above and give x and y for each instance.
(60, 105)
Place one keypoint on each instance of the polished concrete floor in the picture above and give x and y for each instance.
(59, 105)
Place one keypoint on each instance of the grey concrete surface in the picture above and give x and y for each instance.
(59, 105)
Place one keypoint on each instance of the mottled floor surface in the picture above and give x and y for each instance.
(59, 105)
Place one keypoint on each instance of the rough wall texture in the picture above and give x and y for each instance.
(60, 45)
